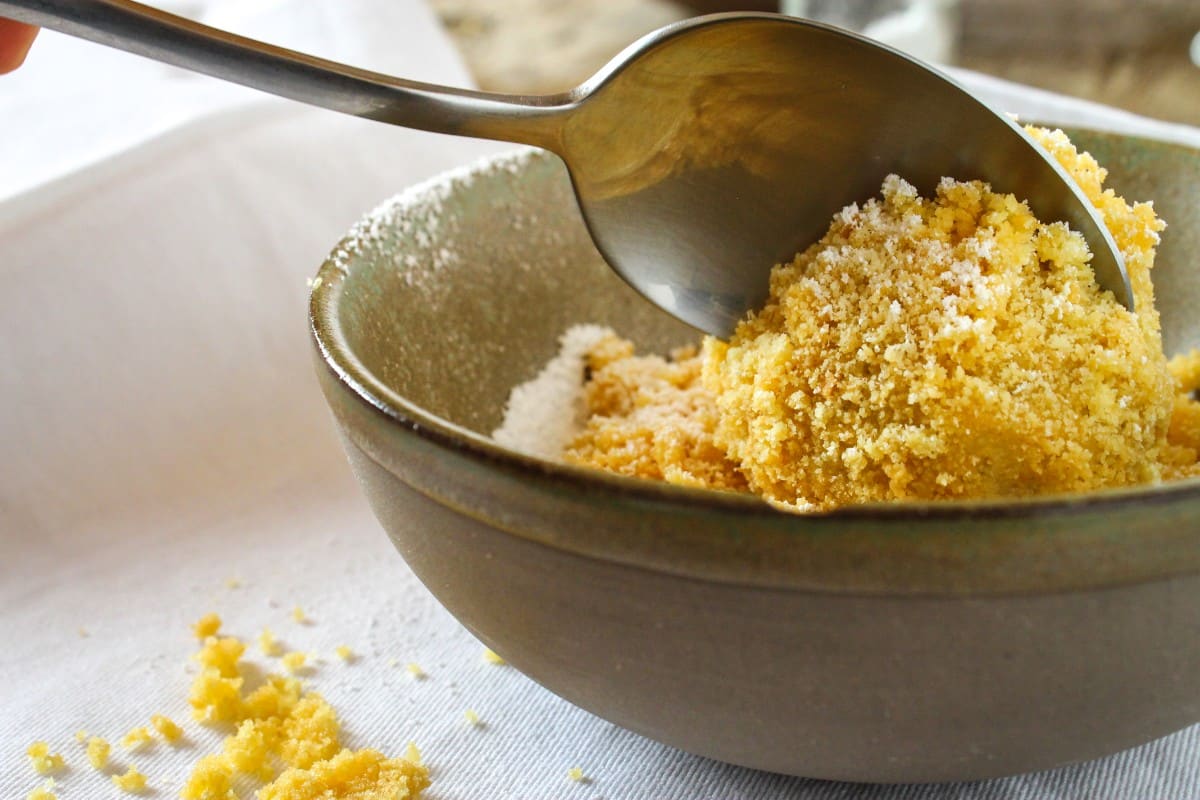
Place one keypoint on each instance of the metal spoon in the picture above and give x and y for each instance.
(702, 155)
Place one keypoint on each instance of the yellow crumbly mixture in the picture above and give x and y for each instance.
(136, 739)
(357, 775)
(650, 417)
(167, 729)
(42, 760)
(97, 752)
(284, 735)
(938, 348)
(268, 644)
(130, 781)
(207, 626)
(43, 792)
(293, 662)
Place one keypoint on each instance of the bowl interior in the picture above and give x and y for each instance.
(461, 288)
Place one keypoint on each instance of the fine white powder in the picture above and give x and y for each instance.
(544, 414)
(417, 213)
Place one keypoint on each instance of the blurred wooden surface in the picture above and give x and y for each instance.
(1133, 55)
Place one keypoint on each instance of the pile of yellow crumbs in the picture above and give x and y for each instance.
(924, 349)
(97, 751)
(283, 736)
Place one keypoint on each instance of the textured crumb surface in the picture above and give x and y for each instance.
(131, 781)
(940, 348)
(268, 644)
(285, 736)
(137, 739)
(350, 775)
(43, 792)
(42, 760)
(97, 750)
(293, 662)
(651, 417)
(206, 626)
(166, 728)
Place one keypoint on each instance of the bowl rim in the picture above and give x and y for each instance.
(342, 363)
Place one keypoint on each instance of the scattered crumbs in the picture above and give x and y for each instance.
(299, 616)
(211, 778)
(97, 752)
(233, 583)
(43, 760)
(294, 661)
(283, 736)
(136, 739)
(131, 781)
(206, 626)
(83, 633)
(287, 738)
(267, 643)
(491, 657)
(415, 670)
(393, 662)
(43, 792)
(576, 774)
(81, 735)
(167, 729)
(345, 654)
(473, 718)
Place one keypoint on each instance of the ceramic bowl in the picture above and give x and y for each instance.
(881, 643)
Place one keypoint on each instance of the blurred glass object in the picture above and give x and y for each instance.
(926, 29)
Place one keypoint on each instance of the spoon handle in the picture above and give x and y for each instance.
(174, 40)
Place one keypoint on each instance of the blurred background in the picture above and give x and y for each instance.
(1140, 55)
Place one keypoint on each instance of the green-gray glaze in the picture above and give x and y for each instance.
(884, 643)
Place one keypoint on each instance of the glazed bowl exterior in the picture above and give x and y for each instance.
(904, 643)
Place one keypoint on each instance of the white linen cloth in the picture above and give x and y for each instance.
(161, 432)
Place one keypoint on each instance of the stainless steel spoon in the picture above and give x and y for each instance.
(702, 155)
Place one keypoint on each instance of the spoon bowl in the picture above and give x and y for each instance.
(711, 151)
(703, 155)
